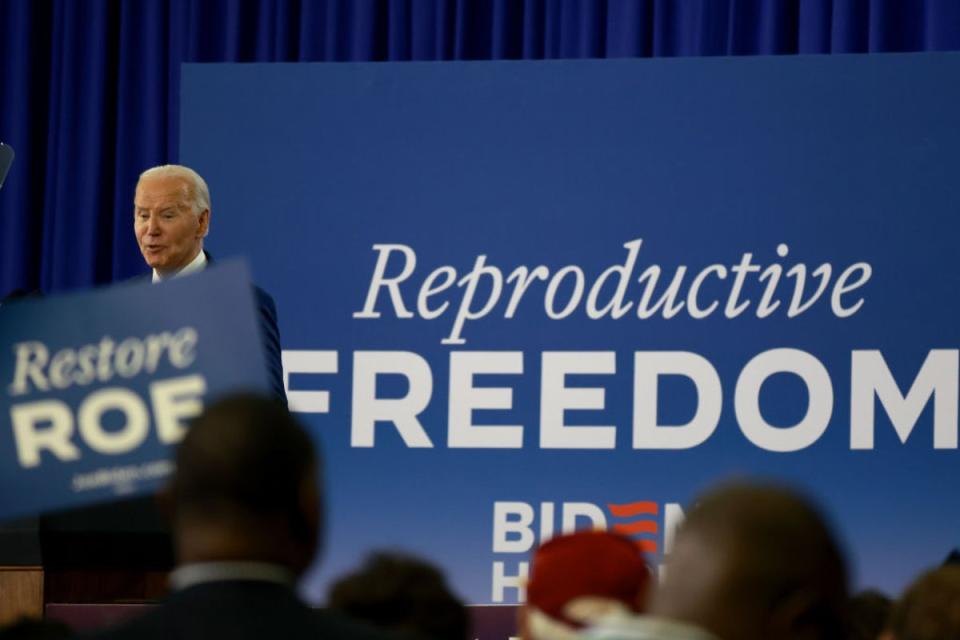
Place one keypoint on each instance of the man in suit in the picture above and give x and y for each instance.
(245, 509)
(171, 219)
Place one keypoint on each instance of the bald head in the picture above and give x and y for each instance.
(754, 561)
(930, 608)
(245, 486)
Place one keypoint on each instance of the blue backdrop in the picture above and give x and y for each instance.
(89, 90)
(786, 164)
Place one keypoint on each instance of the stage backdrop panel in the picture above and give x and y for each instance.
(520, 296)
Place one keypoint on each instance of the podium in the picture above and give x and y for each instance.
(21, 570)
(114, 553)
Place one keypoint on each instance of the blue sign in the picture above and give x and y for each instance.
(98, 385)
(522, 297)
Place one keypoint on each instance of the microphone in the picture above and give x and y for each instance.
(6, 159)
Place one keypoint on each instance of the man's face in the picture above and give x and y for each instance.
(168, 231)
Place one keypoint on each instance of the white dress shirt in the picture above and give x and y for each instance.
(197, 264)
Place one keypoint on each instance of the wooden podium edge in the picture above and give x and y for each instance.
(21, 593)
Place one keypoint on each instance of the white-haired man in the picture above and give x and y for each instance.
(171, 219)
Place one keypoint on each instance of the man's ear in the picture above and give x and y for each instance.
(642, 599)
(305, 526)
(311, 511)
(523, 631)
(803, 614)
(204, 227)
(310, 498)
(165, 503)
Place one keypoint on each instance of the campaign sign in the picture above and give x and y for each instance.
(521, 297)
(98, 385)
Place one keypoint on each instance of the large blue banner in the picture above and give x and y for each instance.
(98, 386)
(520, 297)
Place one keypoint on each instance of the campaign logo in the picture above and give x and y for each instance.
(638, 521)
(520, 527)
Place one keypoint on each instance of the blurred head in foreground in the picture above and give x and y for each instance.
(867, 615)
(930, 608)
(245, 487)
(755, 562)
(402, 594)
(580, 578)
(35, 629)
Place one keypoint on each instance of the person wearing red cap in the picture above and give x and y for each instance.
(580, 578)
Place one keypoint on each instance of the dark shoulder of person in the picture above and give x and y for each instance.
(335, 626)
(20, 294)
(35, 629)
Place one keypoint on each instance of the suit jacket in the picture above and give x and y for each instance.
(269, 336)
(239, 610)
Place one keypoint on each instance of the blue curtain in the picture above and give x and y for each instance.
(89, 88)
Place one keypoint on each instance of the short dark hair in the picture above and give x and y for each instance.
(246, 454)
(867, 614)
(404, 594)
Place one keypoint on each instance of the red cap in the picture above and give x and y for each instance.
(587, 564)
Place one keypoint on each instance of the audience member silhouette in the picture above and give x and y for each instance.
(953, 557)
(35, 629)
(929, 609)
(867, 615)
(402, 594)
(755, 562)
(246, 517)
(582, 579)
